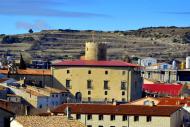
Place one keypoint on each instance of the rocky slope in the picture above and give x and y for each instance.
(164, 43)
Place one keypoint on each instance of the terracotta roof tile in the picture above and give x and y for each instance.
(174, 101)
(118, 109)
(47, 121)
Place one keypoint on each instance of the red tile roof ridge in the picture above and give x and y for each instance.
(118, 109)
(94, 63)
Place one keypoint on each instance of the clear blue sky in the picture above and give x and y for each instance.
(17, 16)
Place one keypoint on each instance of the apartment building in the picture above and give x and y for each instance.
(107, 115)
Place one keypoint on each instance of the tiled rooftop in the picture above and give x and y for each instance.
(118, 109)
(174, 101)
(47, 121)
(170, 89)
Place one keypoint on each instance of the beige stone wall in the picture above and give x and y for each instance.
(78, 77)
(156, 122)
(106, 122)
(118, 122)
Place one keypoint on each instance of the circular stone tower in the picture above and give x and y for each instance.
(95, 51)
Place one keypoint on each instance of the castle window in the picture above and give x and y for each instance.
(123, 72)
(106, 85)
(123, 93)
(106, 72)
(106, 93)
(89, 84)
(68, 71)
(68, 84)
(123, 85)
(89, 92)
(89, 71)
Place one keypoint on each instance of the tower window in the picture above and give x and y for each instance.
(89, 92)
(68, 71)
(89, 71)
(123, 93)
(106, 72)
(106, 93)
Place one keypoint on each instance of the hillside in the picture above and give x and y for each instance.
(164, 43)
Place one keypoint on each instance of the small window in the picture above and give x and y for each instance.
(89, 71)
(123, 72)
(89, 84)
(68, 86)
(89, 92)
(89, 117)
(123, 93)
(56, 95)
(124, 117)
(89, 99)
(105, 92)
(101, 117)
(68, 71)
(112, 117)
(148, 119)
(123, 100)
(52, 95)
(136, 118)
(106, 72)
(106, 84)
(100, 126)
(123, 85)
(89, 125)
(78, 116)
